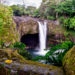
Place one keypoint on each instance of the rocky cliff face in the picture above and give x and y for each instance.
(29, 25)
(26, 25)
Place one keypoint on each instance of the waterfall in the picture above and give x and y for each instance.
(42, 38)
(42, 35)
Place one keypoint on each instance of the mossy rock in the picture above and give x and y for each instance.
(23, 66)
(69, 62)
(11, 54)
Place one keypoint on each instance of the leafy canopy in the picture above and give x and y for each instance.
(7, 26)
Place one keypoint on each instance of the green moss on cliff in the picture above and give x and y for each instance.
(69, 62)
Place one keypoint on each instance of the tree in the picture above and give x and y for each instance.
(18, 10)
(66, 8)
(48, 6)
(7, 26)
(31, 10)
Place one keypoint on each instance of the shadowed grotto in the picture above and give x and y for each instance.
(30, 40)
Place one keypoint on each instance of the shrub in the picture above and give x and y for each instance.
(38, 58)
(21, 50)
(36, 13)
(56, 53)
(51, 17)
(72, 23)
(69, 23)
(18, 10)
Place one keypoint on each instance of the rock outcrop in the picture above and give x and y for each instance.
(69, 62)
(26, 25)
(29, 25)
(21, 66)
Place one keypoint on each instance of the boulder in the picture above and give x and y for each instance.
(21, 66)
(69, 62)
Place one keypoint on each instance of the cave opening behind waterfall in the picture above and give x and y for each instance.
(36, 43)
(30, 40)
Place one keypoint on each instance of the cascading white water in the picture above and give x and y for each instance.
(42, 38)
(42, 35)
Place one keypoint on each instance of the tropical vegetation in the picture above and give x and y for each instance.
(62, 10)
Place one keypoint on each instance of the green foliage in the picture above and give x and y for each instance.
(7, 26)
(66, 7)
(72, 23)
(19, 45)
(50, 17)
(4, 22)
(18, 10)
(56, 8)
(50, 9)
(31, 10)
(61, 19)
(38, 58)
(66, 22)
(69, 23)
(47, 10)
(56, 53)
(36, 13)
(21, 50)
